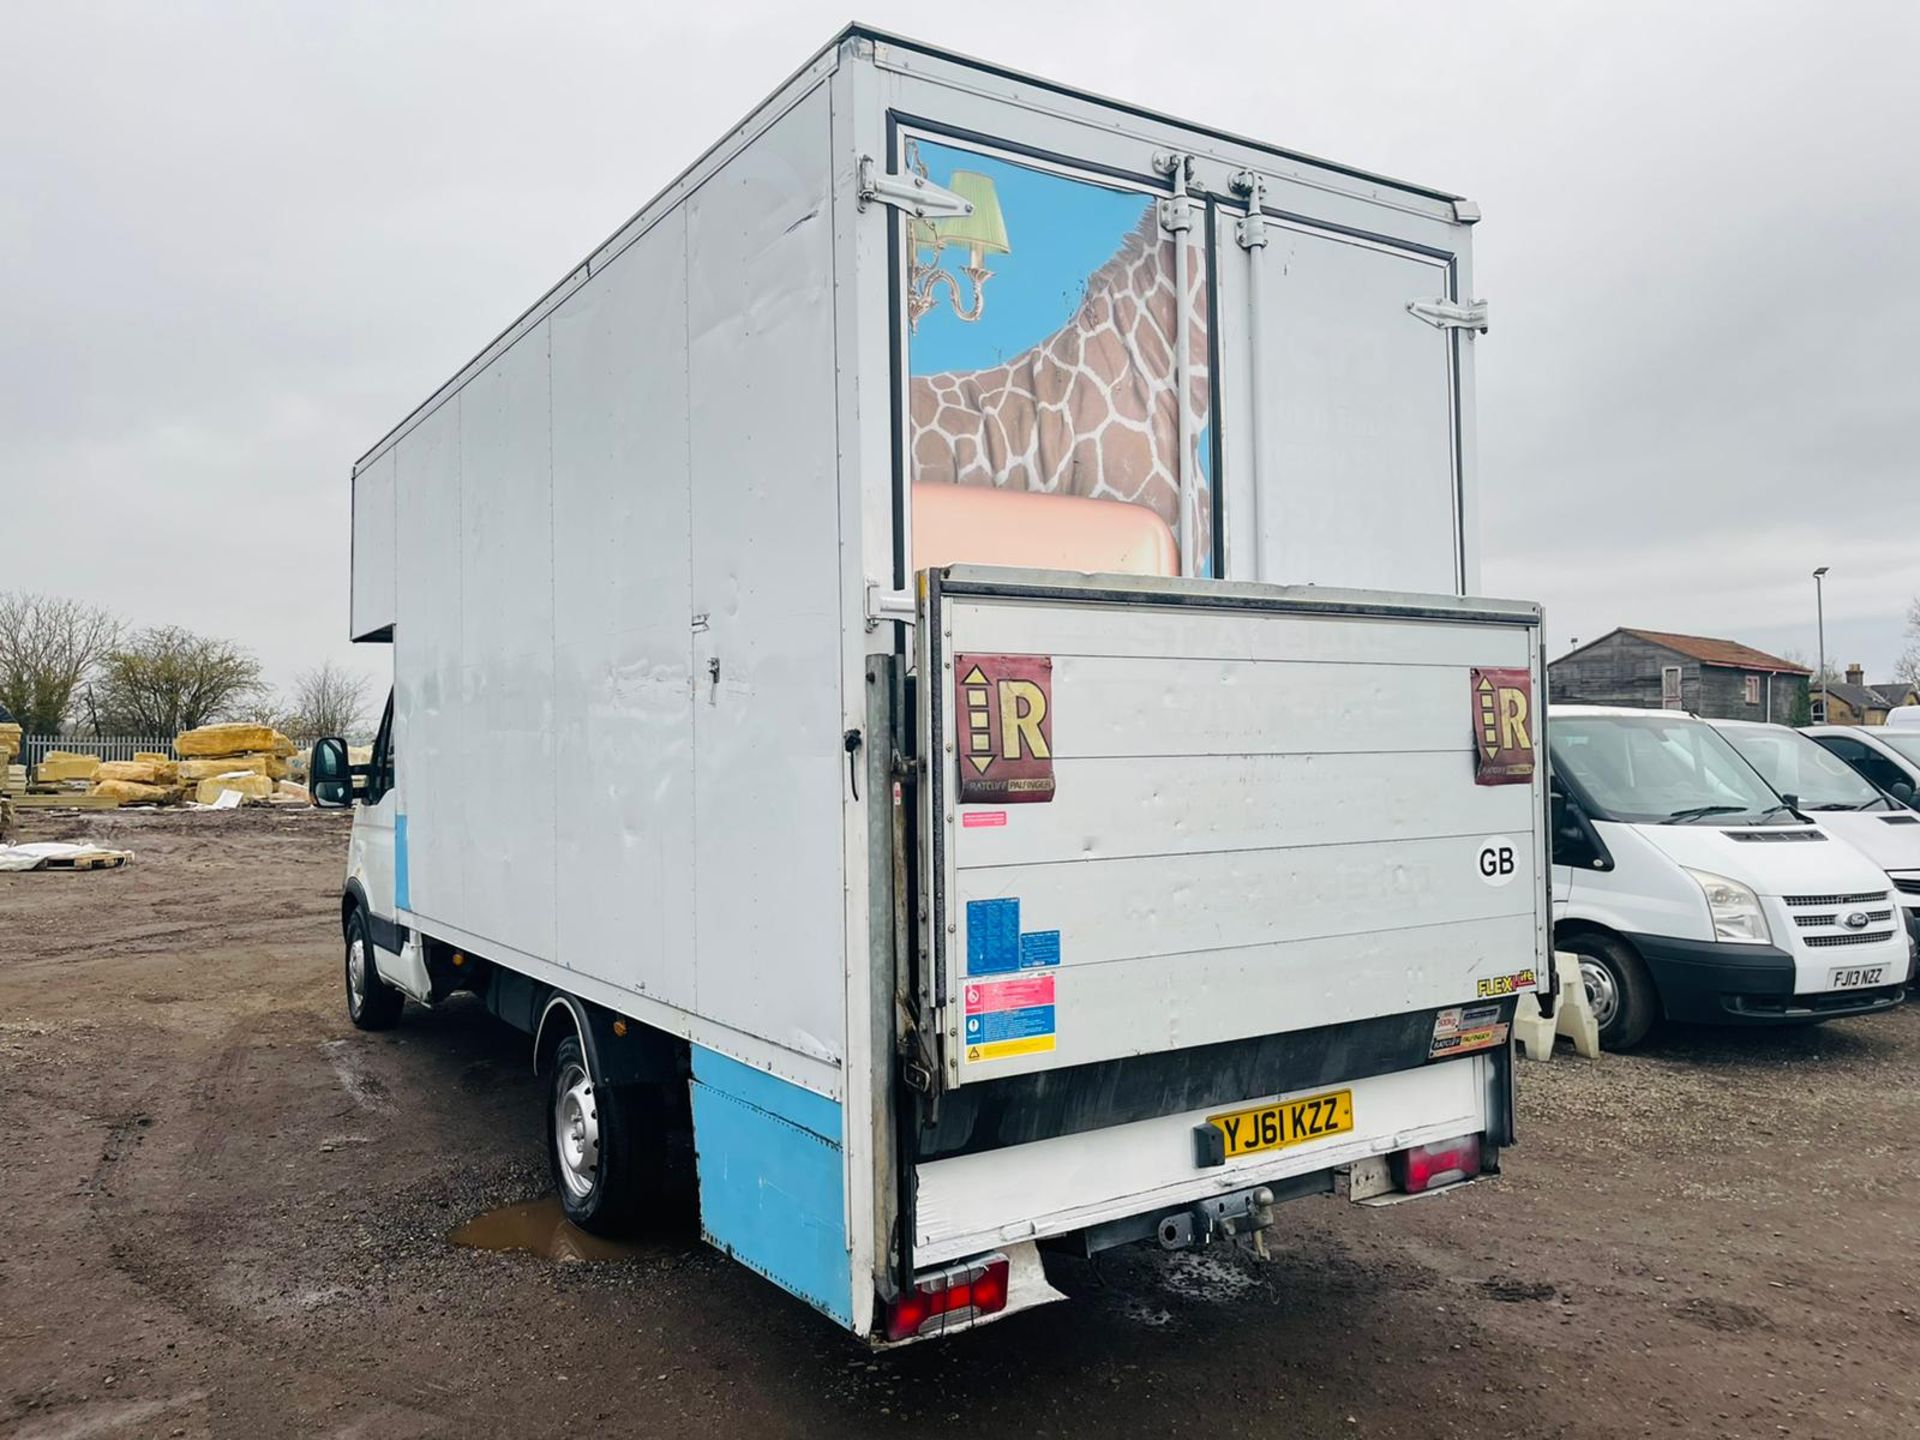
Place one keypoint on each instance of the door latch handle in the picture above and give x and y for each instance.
(853, 766)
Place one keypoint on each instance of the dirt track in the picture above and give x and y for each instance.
(226, 1214)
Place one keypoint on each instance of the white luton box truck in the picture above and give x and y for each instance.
(943, 657)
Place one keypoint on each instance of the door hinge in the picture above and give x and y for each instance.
(914, 194)
(885, 604)
(1251, 233)
(1450, 314)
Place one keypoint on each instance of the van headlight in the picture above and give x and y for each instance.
(1735, 909)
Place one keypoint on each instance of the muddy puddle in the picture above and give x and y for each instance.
(539, 1227)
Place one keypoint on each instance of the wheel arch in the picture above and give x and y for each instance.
(1576, 927)
(619, 1051)
(352, 898)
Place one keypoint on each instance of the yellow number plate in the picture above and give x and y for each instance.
(1291, 1122)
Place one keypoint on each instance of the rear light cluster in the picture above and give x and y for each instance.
(1444, 1162)
(950, 1296)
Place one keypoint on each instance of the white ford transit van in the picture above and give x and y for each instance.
(1888, 755)
(1838, 799)
(1691, 891)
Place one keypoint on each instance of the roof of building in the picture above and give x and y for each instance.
(1859, 698)
(1705, 649)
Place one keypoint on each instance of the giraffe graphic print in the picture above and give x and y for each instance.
(1089, 410)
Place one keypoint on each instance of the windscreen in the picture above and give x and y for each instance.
(1660, 768)
(1900, 743)
(1794, 765)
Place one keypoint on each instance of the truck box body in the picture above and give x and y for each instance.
(686, 690)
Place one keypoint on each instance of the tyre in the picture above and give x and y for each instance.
(372, 1004)
(595, 1134)
(1625, 1003)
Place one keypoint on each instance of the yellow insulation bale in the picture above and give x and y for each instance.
(153, 755)
(238, 738)
(59, 765)
(140, 772)
(132, 792)
(294, 794)
(250, 786)
(272, 766)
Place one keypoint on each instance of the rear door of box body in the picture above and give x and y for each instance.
(1169, 827)
(1247, 837)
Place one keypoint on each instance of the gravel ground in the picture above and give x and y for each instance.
(227, 1215)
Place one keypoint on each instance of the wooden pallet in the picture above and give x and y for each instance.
(96, 860)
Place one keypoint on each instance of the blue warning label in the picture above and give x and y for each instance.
(1010, 1024)
(993, 936)
(1039, 947)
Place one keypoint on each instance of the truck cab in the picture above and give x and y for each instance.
(1690, 890)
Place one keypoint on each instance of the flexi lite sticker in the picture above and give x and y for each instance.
(1496, 985)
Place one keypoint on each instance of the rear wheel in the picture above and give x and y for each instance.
(591, 1145)
(372, 1004)
(1619, 990)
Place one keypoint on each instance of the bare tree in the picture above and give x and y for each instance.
(167, 679)
(327, 700)
(1907, 670)
(48, 646)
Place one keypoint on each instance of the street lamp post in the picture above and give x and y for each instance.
(1820, 619)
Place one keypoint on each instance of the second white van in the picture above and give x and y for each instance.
(1691, 891)
(1838, 799)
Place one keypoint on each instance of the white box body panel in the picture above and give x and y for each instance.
(1265, 815)
(373, 596)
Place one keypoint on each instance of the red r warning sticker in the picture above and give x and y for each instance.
(1003, 728)
(1503, 725)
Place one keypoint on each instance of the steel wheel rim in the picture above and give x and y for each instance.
(356, 975)
(576, 1130)
(1603, 991)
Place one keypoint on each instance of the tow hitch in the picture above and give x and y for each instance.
(1250, 1212)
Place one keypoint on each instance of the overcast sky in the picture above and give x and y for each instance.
(238, 242)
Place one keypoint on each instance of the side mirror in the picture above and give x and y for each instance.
(329, 776)
(1903, 792)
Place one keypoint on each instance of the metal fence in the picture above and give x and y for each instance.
(108, 747)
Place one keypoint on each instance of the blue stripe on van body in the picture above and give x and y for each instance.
(773, 1179)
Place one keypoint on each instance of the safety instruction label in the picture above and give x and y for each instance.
(1019, 994)
(1010, 1017)
(996, 945)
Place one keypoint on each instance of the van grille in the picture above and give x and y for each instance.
(1820, 920)
(1907, 884)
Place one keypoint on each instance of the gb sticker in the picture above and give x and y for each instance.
(1497, 860)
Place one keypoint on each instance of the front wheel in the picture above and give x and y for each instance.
(372, 1004)
(1620, 992)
